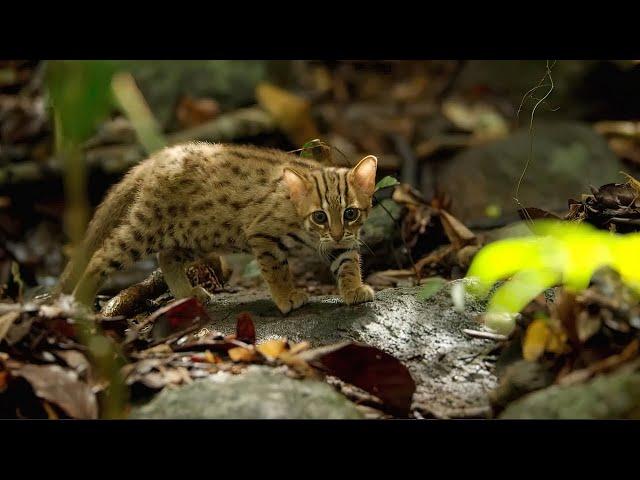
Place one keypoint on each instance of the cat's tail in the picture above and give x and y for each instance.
(109, 215)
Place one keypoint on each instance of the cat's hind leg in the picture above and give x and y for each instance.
(173, 268)
(120, 250)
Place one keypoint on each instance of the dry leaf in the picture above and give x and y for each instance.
(272, 348)
(210, 357)
(6, 321)
(370, 369)
(456, 232)
(291, 112)
(242, 354)
(587, 326)
(175, 317)
(535, 340)
(299, 347)
(4, 375)
(245, 329)
(195, 111)
(51, 413)
(60, 386)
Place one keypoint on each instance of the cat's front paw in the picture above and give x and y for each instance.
(364, 293)
(201, 294)
(295, 299)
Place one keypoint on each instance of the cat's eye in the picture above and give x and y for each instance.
(350, 214)
(319, 217)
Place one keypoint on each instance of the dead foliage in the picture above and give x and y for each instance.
(47, 372)
(441, 244)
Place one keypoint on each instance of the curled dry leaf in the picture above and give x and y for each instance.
(177, 316)
(245, 329)
(535, 340)
(6, 321)
(195, 111)
(242, 354)
(543, 335)
(272, 348)
(291, 112)
(59, 386)
(370, 369)
(457, 233)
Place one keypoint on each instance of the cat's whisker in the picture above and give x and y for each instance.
(362, 242)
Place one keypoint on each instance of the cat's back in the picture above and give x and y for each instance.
(225, 159)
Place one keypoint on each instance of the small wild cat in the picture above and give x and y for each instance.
(189, 201)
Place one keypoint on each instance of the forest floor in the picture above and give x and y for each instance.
(452, 134)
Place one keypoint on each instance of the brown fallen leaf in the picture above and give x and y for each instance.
(368, 368)
(245, 329)
(457, 233)
(299, 347)
(272, 348)
(6, 321)
(291, 112)
(211, 357)
(242, 354)
(59, 386)
(195, 111)
(77, 361)
(51, 413)
(4, 375)
(535, 340)
(177, 316)
(533, 213)
(587, 325)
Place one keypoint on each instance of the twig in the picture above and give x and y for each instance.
(485, 335)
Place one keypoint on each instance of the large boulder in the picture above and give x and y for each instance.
(258, 393)
(451, 370)
(567, 158)
(230, 82)
(613, 396)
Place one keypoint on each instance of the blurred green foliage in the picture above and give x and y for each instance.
(560, 253)
(80, 94)
(81, 97)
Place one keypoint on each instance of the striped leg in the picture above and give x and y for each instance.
(346, 268)
(271, 255)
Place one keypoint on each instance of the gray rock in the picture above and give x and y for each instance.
(614, 396)
(258, 393)
(452, 376)
(567, 158)
(230, 82)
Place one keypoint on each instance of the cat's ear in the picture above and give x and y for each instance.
(298, 185)
(363, 175)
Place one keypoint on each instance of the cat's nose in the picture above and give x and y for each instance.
(337, 234)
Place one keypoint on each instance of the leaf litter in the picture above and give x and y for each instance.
(42, 358)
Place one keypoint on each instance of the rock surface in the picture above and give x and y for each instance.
(571, 154)
(614, 396)
(260, 392)
(229, 82)
(451, 371)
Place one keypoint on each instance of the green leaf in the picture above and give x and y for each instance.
(387, 182)
(80, 93)
(307, 148)
(430, 287)
(15, 273)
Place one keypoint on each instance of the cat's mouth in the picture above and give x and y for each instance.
(327, 248)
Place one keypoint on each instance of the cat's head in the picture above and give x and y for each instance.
(333, 202)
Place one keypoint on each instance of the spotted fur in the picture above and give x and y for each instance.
(190, 201)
